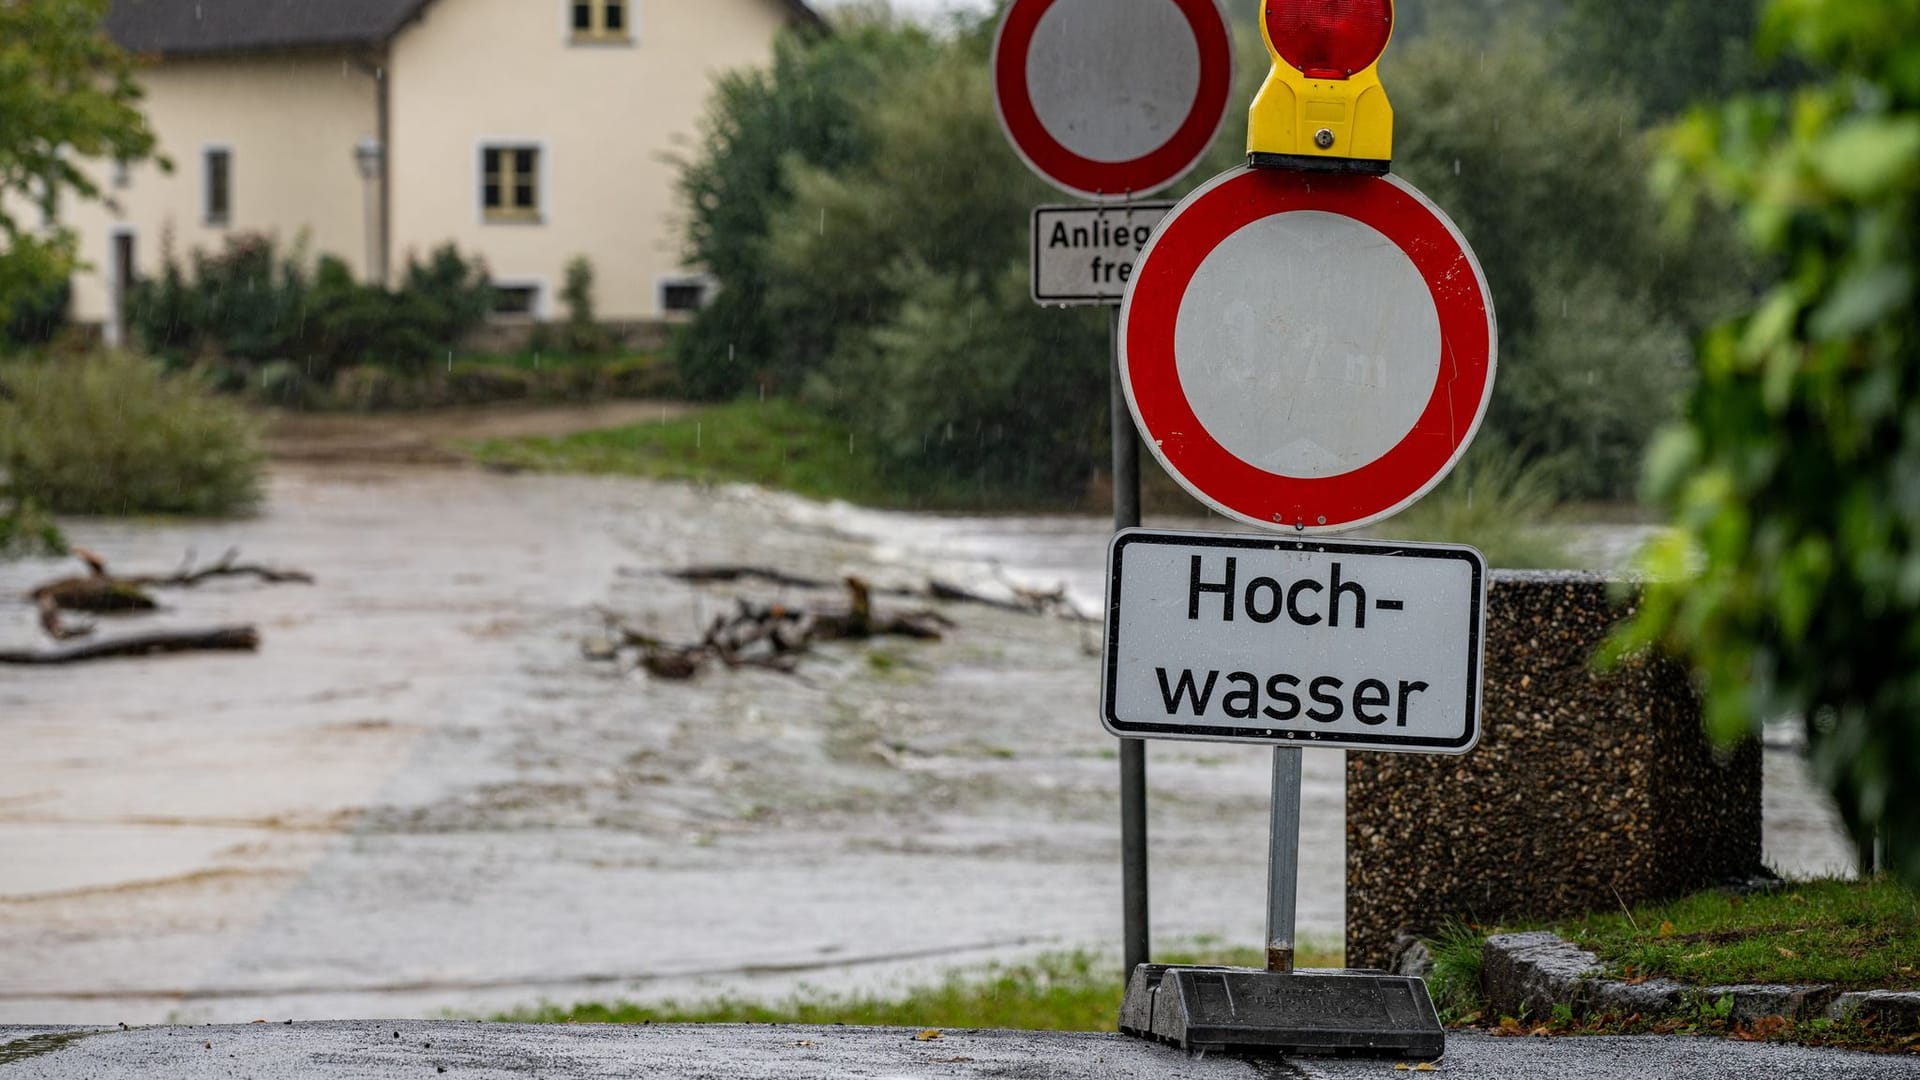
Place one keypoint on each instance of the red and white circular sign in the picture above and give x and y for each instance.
(1306, 350)
(1112, 99)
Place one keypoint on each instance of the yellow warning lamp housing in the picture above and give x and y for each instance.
(1323, 108)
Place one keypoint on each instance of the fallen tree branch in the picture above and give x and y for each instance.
(223, 639)
(1025, 601)
(228, 566)
(773, 637)
(727, 575)
(101, 593)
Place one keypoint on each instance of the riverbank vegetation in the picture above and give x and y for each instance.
(114, 434)
(1068, 991)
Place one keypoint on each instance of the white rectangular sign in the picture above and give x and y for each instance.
(1363, 645)
(1085, 254)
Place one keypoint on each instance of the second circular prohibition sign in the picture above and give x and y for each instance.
(1308, 351)
(1110, 100)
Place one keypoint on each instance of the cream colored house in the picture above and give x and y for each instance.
(524, 131)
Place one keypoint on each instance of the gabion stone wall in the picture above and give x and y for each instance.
(1586, 790)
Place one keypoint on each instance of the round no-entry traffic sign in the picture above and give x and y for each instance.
(1112, 99)
(1307, 351)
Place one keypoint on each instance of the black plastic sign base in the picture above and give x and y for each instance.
(1249, 1011)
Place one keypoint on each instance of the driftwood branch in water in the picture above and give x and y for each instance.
(228, 566)
(773, 636)
(223, 639)
(727, 575)
(101, 593)
(1025, 601)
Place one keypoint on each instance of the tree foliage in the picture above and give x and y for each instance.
(1667, 54)
(805, 109)
(1793, 580)
(67, 97)
(868, 225)
(1597, 303)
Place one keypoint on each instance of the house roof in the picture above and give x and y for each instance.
(188, 27)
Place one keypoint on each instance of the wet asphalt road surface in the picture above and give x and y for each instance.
(474, 1051)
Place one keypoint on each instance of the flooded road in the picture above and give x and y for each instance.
(421, 796)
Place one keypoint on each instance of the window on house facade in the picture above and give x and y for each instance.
(219, 185)
(516, 301)
(601, 20)
(680, 296)
(510, 183)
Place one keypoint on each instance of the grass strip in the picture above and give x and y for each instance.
(1067, 991)
(1855, 935)
(775, 444)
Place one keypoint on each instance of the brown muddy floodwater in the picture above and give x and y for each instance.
(421, 797)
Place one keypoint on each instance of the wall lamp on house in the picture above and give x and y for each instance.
(370, 156)
(367, 153)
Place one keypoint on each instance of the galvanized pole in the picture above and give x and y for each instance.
(1283, 858)
(1133, 752)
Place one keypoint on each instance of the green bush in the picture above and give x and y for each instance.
(112, 434)
(478, 384)
(38, 315)
(582, 333)
(26, 531)
(1496, 503)
(636, 377)
(253, 306)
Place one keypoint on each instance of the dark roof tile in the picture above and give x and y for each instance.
(188, 27)
(208, 26)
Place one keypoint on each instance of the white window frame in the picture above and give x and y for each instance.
(542, 180)
(207, 150)
(591, 38)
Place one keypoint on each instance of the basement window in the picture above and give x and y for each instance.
(684, 296)
(516, 301)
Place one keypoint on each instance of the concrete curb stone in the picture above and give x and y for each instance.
(1898, 1009)
(1531, 973)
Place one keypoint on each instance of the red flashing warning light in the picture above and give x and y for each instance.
(1329, 39)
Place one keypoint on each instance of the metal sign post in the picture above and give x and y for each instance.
(1111, 100)
(1283, 858)
(1136, 939)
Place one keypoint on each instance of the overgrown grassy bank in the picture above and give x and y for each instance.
(1072, 991)
(775, 443)
(113, 434)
